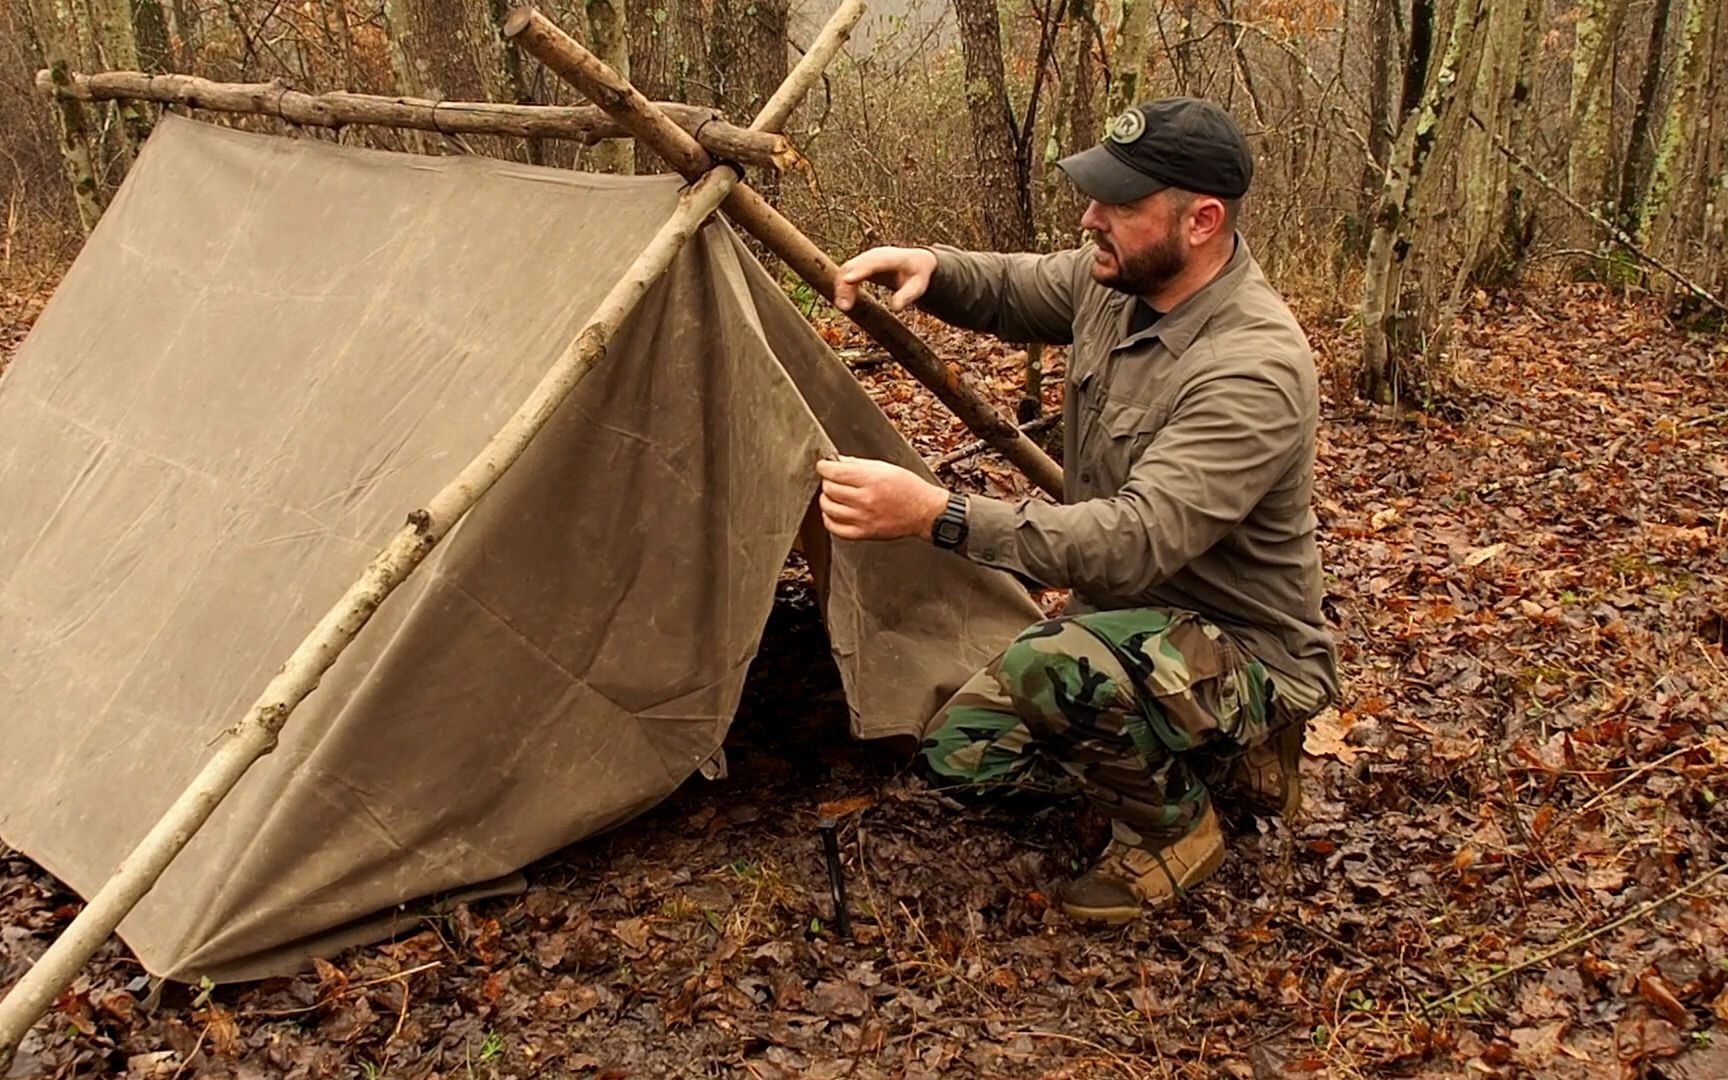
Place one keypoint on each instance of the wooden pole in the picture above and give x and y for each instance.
(257, 733)
(821, 53)
(542, 39)
(762, 147)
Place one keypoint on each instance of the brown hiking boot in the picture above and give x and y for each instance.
(1268, 778)
(1126, 880)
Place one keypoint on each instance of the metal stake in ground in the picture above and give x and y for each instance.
(257, 732)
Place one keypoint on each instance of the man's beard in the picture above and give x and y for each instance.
(1146, 272)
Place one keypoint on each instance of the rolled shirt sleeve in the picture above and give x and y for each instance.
(1228, 441)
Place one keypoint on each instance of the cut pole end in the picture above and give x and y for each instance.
(518, 20)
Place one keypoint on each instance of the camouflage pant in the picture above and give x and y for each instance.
(1137, 709)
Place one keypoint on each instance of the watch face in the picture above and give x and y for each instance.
(948, 532)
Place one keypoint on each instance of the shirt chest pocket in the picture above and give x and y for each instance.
(1126, 427)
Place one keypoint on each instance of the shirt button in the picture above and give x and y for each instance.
(1085, 476)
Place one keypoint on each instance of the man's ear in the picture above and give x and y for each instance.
(1208, 220)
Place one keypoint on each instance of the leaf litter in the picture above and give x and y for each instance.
(1503, 867)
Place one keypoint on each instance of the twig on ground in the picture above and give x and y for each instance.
(197, 1046)
(1566, 946)
(978, 446)
(1641, 770)
(1121, 1062)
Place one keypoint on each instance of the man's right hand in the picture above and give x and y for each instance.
(905, 270)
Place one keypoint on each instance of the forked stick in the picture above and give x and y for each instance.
(573, 63)
(257, 733)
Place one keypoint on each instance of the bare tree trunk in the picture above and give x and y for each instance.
(609, 37)
(447, 49)
(1640, 150)
(1390, 244)
(1517, 228)
(1128, 60)
(765, 47)
(1418, 54)
(1591, 104)
(150, 23)
(1003, 194)
(1655, 200)
(117, 45)
(1076, 123)
(48, 18)
(1380, 118)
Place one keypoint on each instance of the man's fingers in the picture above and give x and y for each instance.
(911, 289)
(846, 471)
(841, 530)
(833, 510)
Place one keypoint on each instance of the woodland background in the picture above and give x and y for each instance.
(1386, 131)
(1513, 855)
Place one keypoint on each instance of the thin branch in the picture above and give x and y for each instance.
(1615, 232)
(1566, 946)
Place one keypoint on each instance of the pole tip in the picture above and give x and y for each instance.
(518, 20)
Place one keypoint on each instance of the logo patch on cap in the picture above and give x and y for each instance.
(1126, 127)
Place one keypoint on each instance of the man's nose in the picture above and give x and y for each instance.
(1093, 217)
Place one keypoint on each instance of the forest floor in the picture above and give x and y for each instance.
(1506, 865)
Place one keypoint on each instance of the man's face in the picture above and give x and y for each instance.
(1142, 245)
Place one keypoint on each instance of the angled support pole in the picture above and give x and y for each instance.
(566, 57)
(256, 734)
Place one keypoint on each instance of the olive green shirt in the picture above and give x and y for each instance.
(1188, 450)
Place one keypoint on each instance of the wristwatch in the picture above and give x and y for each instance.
(949, 530)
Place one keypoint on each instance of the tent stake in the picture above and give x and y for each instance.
(571, 62)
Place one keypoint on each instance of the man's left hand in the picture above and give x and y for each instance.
(875, 500)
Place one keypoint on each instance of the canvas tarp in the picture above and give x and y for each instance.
(270, 351)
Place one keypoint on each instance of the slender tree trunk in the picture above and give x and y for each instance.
(1517, 228)
(1076, 123)
(1003, 197)
(117, 48)
(1128, 60)
(1390, 244)
(447, 50)
(609, 37)
(1591, 104)
(1640, 150)
(1380, 115)
(155, 52)
(1418, 54)
(49, 19)
(1684, 103)
(765, 46)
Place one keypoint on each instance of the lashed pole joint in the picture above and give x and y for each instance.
(542, 39)
(761, 147)
(257, 732)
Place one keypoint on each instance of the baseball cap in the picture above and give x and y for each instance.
(1179, 142)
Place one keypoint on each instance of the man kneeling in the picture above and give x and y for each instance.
(1194, 648)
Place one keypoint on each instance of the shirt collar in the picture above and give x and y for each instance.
(1181, 324)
